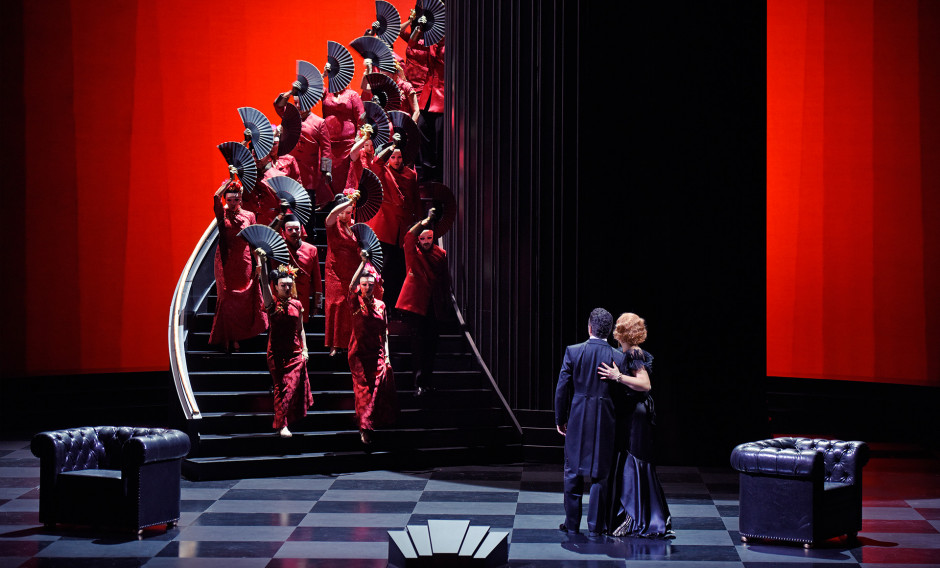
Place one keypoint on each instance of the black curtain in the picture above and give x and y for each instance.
(615, 158)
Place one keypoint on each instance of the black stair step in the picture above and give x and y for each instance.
(319, 359)
(344, 399)
(270, 443)
(452, 343)
(327, 380)
(247, 422)
(199, 469)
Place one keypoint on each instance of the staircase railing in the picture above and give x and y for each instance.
(190, 291)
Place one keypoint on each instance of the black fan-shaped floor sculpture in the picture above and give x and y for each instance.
(262, 137)
(442, 199)
(342, 67)
(373, 48)
(295, 195)
(369, 243)
(379, 121)
(311, 84)
(434, 11)
(410, 135)
(290, 130)
(389, 22)
(370, 197)
(237, 155)
(384, 91)
(267, 239)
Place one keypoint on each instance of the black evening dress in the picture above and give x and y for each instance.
(637, 502)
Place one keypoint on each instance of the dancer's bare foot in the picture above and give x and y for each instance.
(365, 436)
(285, 433)
(333, 352)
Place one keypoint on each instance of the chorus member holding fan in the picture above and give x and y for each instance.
(373, 380)
(638, 503)
(303, 255)
(342, 256)
(342, 113)
(423, 298)
(287, 347)
(238, 311)
(313, 150)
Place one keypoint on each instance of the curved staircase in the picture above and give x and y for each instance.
(226, 398)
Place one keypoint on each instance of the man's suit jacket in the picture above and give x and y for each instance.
(585, 403)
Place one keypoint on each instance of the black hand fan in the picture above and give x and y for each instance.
(290, 130)
(442, 199)
(342, 67)
(311, 85)
(369, 243)
(384, 91)
(267, 239)
(373, 48)
(262, 137)
(389, 22)
(379, 121)
(434, 11)
(295, 195)
(237, 155)
(410, 135)
(370, 196)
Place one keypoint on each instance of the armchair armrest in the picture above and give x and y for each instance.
(68, 450)
(779, 456)
(843, 461)
(159, 445)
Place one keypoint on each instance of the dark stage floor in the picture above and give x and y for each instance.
(342, 520)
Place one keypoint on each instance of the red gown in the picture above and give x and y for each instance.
(341, 113)
(416, 65)
(432, 93)
(342, 259)
(239, 311)
(315, 143)
(292, 394)
(372, 376)
(391, 216)
(305, 258)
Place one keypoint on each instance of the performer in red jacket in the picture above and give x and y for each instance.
(303, 255)
(423, 298)
(238, 310)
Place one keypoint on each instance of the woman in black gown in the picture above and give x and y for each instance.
(638, 504)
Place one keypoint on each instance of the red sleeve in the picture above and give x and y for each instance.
(358, 108)
(325, 140)
(411, 251)
(315, 272)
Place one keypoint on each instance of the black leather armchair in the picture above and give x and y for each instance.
(110, 476)
(800, 489)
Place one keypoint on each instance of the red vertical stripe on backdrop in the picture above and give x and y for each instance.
(807, 331)
(53, 327)
(786, 61)
(900, 351)
(929, 72)
(148, 270)
(848, 338)
(103, 53)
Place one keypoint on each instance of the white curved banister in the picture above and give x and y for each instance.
(179, 309)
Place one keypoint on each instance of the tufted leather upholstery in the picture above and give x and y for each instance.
(800, 489)
(110, 476)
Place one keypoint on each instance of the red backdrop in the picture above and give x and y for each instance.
(853, 190)
(125, 102)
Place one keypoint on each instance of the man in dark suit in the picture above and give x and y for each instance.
(584, 414)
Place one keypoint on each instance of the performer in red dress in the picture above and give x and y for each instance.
(423, 298)
(392, 220)
(373, 380)
(287, 348)
(238, 310)
(409, 96)
(263, 201)
(313, 147)
(407, 181)
(430, 164)
(342, 113)
(342, 255)
(303, 255)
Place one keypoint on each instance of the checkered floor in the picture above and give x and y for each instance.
(341, 521)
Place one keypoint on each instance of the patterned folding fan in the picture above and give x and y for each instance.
(442, 199)
(369, 243)
(267, 239)
(290, 130)
(262, 138)
(373, 48)
(311, 85)
(370, 197)
(410, 135)
(389, 22)
(384, 91)
(342, 67)
(379, 121)
(434, 11)
(295, 195)
(237, 155)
